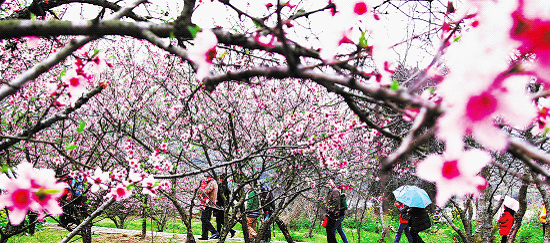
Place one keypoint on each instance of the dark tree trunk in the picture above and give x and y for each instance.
(184, 217)
(546, 200)
(284, 230)
(522, 199)
(144, 217)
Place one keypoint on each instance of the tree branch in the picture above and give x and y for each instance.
(45, 65)
(51, 120)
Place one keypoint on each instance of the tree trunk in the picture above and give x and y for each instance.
(144, 217)
(465, 217)
(455, 228)
(468, 212)
(384, 226)
(284, 230)
(522, 199)
(546, 200)
(314, 221)
(484, 220)
(184, 217)
(361, 219)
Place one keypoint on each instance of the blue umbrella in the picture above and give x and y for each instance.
(412, 196)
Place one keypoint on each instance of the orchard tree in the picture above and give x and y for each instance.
(145, 96)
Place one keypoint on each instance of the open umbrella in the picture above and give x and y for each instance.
(508, 202)
(412, 196)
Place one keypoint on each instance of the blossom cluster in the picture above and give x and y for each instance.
(31, 189)
(78, 77)
(484, 88)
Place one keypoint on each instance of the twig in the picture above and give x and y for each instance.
(85, 222)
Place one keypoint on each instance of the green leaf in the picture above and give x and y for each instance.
(82, 124)
(395, 86)
(130, 187)
(457, 38)
(194, 30)
(5, 168)
(33, 16)
(71, 146)
(223, 55)
(51, 191)
(96, 51)
(171, 35)
(362, 41)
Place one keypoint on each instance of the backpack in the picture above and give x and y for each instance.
(343, 205)
(77, 187)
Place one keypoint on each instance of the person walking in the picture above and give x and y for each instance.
(332, 205)
(223, 197)
(341, 216)
(542, 219)
(418, 222)
(506, 221)
(252, 214)
(208, 197)
(403, 223)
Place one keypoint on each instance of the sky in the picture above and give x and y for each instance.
(211, 14)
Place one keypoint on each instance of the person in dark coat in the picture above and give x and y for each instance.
(342, 209)
(223, 196)
(506, 221)
(418, 222)
(332, 204)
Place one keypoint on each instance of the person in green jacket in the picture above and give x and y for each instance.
(252, 212)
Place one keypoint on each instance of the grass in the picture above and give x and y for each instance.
(371, 232)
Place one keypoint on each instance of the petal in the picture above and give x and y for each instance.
(445, 190)
(17, 216)
(430, 168)
(53, 208)
(516, 105)
(473, 161)
(490, 136)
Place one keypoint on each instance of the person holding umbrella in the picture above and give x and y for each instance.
(418, 222)
(403, 223)
(417, 199)
(506, 220)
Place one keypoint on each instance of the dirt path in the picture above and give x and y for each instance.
(104, 231)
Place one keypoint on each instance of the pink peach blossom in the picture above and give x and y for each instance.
(98, 180)
(32, 189)
(454, 173)
(203, 51)
(120, 192)
(475, 112)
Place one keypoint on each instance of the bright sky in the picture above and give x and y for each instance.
(210, 14)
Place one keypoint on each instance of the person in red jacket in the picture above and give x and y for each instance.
(403, 223)
(506, 221)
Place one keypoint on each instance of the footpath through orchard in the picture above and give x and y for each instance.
(96, 230)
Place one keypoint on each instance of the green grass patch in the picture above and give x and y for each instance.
(530, 232)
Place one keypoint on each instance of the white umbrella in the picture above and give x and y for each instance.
(508, 202)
